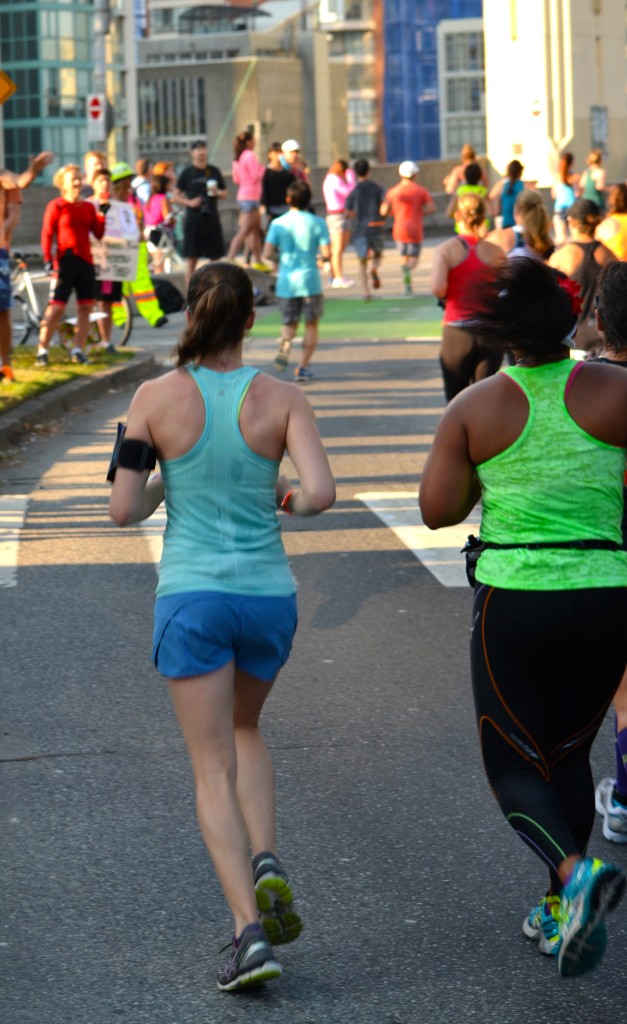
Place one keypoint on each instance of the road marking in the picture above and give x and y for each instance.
(12, 515)
(438, 550)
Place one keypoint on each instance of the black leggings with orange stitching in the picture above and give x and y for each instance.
(545, 666)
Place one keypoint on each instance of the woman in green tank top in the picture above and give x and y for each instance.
(542, 444)
(225, 612)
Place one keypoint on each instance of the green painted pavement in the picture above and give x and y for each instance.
(354, 319)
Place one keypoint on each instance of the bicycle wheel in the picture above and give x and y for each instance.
(25, 323)
(121, 322)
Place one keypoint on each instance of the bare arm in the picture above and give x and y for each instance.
(449, 487)
(452, 206)
(305, 449)
(439, 273)
(36, 166)
(270, 253)
(135, 496)
(182, 200)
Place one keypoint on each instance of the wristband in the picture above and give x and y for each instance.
(285, 503)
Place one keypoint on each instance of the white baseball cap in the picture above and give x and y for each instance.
(408, 169)
(290, 146)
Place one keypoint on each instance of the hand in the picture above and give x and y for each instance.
(48, 267)
(283, 486)
(195, 203)
(42, 160)
(103, 207)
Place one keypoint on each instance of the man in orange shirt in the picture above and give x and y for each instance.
(408, 202)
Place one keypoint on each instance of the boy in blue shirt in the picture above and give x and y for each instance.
(294, 241)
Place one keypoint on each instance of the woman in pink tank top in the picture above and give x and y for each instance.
(461, 267)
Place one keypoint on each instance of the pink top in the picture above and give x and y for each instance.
(247, 173)
(153, 209)
(335, 190)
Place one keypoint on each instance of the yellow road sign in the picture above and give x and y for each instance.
(7, 87)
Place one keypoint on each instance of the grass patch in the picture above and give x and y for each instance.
(31, 381)
(356, 320)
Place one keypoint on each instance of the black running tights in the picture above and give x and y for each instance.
(545, 666)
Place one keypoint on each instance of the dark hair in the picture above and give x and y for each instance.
(524, 308)
(241, 143)
(472, 174)
(613, 304)
(158, 184)
(142, 167)
(617, 199)
(361, 167)
(565, 164)
(513, 171)
(219, 301)
(299, 195)
(338, 167)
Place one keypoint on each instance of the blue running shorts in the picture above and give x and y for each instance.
(202, 631)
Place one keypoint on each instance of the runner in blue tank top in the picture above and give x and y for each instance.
(225, 614)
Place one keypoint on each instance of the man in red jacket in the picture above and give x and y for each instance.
(68, 223)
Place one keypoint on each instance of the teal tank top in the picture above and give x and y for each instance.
(222, 530)
(554, 483)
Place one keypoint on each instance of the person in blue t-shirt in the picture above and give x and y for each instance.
(294, 241)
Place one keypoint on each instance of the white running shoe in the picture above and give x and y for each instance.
(614, 815)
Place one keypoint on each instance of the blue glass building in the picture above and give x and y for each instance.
(410, 98)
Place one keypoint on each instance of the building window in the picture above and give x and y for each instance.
(464, 51)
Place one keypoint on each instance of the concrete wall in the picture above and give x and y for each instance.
(548, 62)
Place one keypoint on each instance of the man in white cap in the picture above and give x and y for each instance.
(407, 202)
(291, 159)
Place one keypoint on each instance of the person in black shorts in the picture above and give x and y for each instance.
(198, 188)
(363, 210)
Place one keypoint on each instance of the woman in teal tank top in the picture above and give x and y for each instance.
(542, 444)
(225, 613)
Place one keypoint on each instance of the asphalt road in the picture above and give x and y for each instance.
(412, 887)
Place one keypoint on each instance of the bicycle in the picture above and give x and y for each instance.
(27, 313)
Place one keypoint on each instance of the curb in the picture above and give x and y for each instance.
(18, 423)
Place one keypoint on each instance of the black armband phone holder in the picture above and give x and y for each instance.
(128, 454)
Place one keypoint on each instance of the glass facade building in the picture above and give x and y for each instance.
(411, 100)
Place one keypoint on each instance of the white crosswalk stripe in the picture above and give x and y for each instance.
(438, 550)
(12, 514)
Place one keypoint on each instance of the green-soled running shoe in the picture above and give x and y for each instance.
(593, 889)
(274, 900)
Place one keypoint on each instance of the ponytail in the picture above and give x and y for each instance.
(219, 302)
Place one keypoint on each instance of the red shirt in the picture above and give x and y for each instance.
(408, 200)
(72, 224)
(465, 282)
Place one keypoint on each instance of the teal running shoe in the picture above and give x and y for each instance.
(593, 889)
(251, 962)
(274, 900)
(542, 925)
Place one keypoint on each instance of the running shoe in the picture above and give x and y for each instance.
(41, 359)
(593, 889)
(78, 356)
(614, 815)
(274, 900)
(251, 962)
(542, 925)
(341, 282)
(7, 375)
(374, 277)
(265, 268)
(302, 373)
(282, 357)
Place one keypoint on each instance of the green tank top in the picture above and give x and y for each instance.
(554, 483)
(222, 531)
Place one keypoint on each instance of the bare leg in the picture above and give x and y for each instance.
(363, 275)
(255, 775)
(190, 266)
(336, 256)
(105, 323)
(204, 708)
(310, 342)
(5, 337)
(51, 320)
(83, 310)
(245, 222)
